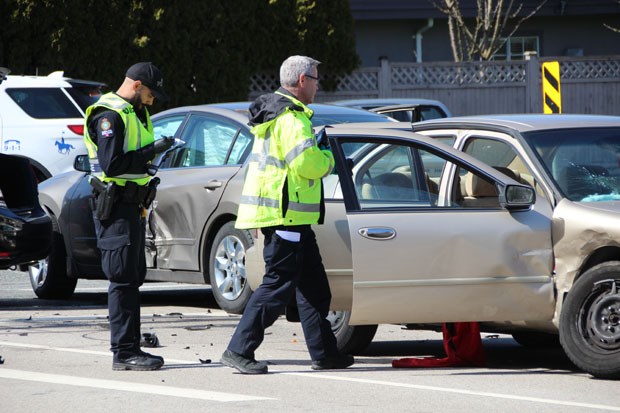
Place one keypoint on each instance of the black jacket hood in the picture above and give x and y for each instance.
(267, 107)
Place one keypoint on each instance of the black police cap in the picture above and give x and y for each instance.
(150, 76)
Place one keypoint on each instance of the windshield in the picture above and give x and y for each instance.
(584, 163)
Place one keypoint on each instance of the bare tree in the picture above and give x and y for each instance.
(615, 29)
(482, 37)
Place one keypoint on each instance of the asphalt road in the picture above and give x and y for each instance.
(56, 359)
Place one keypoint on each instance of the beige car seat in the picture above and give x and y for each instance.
(479, 192)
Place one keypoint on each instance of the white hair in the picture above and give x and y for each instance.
(294, 66)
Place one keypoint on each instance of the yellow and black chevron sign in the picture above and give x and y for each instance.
(552, 97)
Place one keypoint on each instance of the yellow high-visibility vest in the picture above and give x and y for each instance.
(284, 152)
(136, 136)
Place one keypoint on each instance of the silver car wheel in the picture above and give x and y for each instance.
(229, 268)
(590, 321)
(350, 339)
(600, 316)
(38, 273)
(337, 319)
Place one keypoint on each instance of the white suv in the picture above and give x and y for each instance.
(42, 119)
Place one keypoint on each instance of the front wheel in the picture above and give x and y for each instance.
(227, 274)
(590, 321)
(350, 339)
(48, 276)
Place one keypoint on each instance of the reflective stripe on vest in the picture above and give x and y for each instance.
(274, 203)
(263, 159)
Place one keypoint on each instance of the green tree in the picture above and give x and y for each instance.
(326, 31)
(208, 50)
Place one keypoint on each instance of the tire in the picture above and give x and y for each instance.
(590, 321)
(534, 339)
(48, 276)
(350, 339)
(227, 274)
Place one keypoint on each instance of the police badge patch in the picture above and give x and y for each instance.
(106, 126)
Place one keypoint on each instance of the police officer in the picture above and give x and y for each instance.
(120, 142)
(283, 196)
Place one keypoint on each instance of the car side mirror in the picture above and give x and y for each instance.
(81, 163)
(518, 197)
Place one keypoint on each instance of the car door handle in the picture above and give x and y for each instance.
(214, 184)
(378, 233)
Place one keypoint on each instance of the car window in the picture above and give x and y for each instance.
(418, 113)
(405, 176)
(208, 142)
(389, 178)
(503, 157)
(445, 139)
(241, 147)
(167, 126)
(470, 189)
(403, 115)
(84, 96)
(431, 112)
(44, 103)
(492, 152)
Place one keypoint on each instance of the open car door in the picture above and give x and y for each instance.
(437, 236)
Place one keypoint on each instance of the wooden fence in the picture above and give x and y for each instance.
(588, 85)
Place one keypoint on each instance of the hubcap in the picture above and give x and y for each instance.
(229, 268)
(336, 319)
(38, 273)
(602, 316)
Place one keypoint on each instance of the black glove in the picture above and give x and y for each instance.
(321, 140)
(161, 145)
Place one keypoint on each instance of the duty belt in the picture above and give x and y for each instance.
(131, 193)
(108, 194)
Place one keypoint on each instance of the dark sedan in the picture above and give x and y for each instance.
(25, 230)
(190, 232)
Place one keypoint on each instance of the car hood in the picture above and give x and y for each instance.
(608, 206)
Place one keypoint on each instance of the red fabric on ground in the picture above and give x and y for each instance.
(462, 344)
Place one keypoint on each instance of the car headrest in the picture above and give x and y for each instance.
(477, 186)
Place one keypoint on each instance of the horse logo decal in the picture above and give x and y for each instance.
(63, 147)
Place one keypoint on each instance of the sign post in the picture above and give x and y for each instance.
(552, 97)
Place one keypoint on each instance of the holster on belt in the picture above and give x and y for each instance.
(151, 191)
(105, 195)
(108, 193)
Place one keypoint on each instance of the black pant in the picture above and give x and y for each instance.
(290, 267)
(121, 241)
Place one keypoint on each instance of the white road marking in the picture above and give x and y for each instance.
(457, 391)
(103, 317)
(315, 375)
(126, 386)
(145, 287)
(79, 351)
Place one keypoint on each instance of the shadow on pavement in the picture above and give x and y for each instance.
(501, 353)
